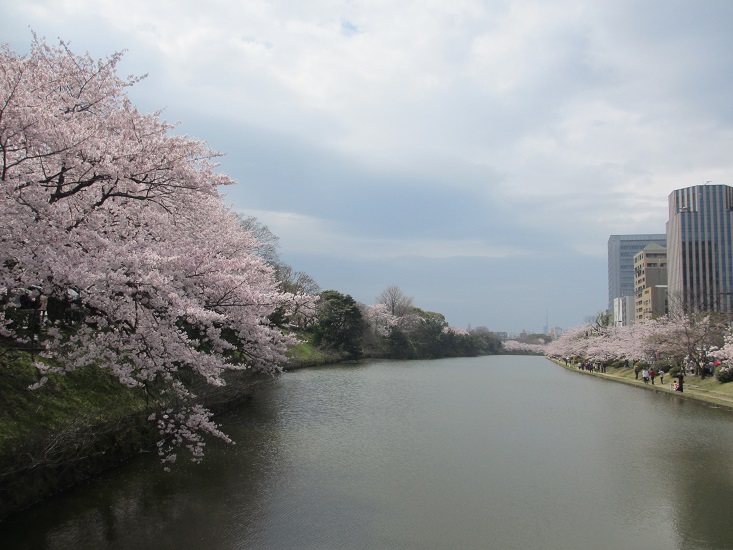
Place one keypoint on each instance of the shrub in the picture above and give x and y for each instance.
(663, 366)
(724, 374)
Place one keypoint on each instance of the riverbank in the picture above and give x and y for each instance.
(78, 425)
(708, 391)
(83, 423)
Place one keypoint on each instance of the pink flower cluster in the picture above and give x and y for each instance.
(121, 225)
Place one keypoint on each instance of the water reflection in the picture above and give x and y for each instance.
(510, 452)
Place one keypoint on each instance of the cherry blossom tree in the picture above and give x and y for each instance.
(692, 337)
(689, 337)
(725, 352)
(379, 319)
(117, 227)
(514, 346)
(571, 343)
(455, 330)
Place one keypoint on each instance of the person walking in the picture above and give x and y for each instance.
(636, 371)
(680, 379)
(661, 377)
(652, 375)
(645, 375)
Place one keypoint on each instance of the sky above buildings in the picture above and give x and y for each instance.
(477, 154)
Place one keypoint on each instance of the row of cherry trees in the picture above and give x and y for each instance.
(693, 338)
(116, 248)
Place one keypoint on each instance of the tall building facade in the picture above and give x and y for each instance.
(621, 252)
(650, 282)
(700, 248)
(623, 311)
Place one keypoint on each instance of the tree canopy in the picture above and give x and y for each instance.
(117, 226)
(340, 323)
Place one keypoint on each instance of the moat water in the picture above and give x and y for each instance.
(490, 452)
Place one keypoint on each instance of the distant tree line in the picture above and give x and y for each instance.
(393, 327)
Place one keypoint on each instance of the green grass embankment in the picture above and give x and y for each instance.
(305, 354)
(708, 391)
(89, 393)
(85, 421)
(54, 437)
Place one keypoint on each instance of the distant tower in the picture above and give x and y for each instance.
(700, 248)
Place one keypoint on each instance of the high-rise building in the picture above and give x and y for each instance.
(621, 252)
(700, 248)
(650, 282)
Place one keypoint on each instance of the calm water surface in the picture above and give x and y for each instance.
(491, 452)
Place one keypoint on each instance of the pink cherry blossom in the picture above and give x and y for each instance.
(110, 217)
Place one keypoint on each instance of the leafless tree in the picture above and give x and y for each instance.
(295, 282)
(267, 241)
(396, 301)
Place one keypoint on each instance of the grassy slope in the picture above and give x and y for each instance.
(62, 433)
(708, 391)
(91, 396)
(305, 354)
(85, 421)
(90, 393)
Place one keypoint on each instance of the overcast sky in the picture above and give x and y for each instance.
(478, 154)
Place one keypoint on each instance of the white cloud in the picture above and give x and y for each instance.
(561, 122)
(310, 235)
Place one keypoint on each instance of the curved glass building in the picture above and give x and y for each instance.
(700, 248)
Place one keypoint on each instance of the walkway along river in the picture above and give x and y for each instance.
(709, 391)
(489, 452)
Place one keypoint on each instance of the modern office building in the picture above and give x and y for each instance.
(650, 282)
(621, 252)
(699, 250)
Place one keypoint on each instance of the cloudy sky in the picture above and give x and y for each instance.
(476, 153)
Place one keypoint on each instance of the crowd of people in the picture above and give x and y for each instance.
(648, 374)
(592, 367)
